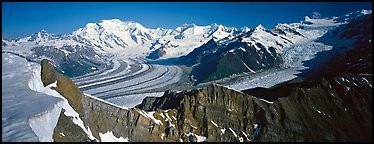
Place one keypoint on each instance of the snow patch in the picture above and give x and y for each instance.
(150, 116)
(199, 138)
(246, 136)
(266, 101)
(109, 137)
(162, 136)
(223, 131)
(233, 132)
(214, 123)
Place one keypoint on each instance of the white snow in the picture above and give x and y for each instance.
(62, 134)
(36, 84)
(246, 136)
(174, 117)
(43, 124)
(233, 132)
(266, 101)
(193, 126)
(366, 81)
(167, 116)
(109, 137)
(199, 138)
(162, 136)
(255, 126)
(223, 131)
(162, 115)
(214, 123)
(27, 115)
(150, 116)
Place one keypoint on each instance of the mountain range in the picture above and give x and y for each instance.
(329, 100)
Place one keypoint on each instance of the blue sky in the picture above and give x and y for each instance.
(20, 19)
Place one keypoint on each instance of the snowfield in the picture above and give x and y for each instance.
(30, 111)
(27, 115)
(109, 137)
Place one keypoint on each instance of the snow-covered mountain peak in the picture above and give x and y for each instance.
(260, 28)
(113, 35)
(358, 13)
(307, 19)
(43, 31)
(366, 11)
(245, 29)
(39, 36)
(353, 15)
(111, 21)
(280, 26)
(116, 24)
(90, 25)
(215, 25)
(316, 15)
(184, 26)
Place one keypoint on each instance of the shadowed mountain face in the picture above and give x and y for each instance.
(338, 88)
(352, 50)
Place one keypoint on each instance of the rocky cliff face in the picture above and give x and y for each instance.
(333, 109)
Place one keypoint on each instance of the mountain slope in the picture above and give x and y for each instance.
(286, 45)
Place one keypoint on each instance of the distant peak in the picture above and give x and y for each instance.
(245, 28)
(366, 11)
(89, 25)
(307, 18)
(260, 27)
(280, 25)
(216, 25)
(43, 31)
(188, 25)
(316, 15)
(118, 22)
(112, 21)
